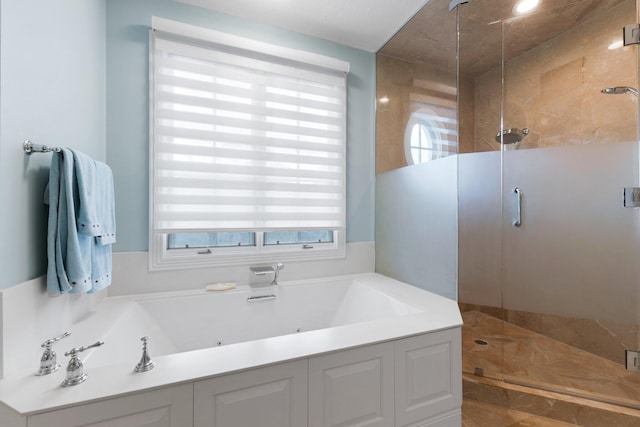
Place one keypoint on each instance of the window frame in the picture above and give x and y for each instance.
(162, 258)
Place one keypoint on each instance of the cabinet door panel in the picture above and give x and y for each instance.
(275, 396)
(428, 376)
(450, 419)
(10, 418)
(168, 407)
(352, 388)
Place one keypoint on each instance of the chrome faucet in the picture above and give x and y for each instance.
(75, 369)
(261, 271)
(145, 364)
(48, 363)
(278, 269)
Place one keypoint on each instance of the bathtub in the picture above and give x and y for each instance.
(188, 321)
(202, 335)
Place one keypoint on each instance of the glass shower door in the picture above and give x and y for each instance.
(549, 256)
(571, 250)
(479, 192)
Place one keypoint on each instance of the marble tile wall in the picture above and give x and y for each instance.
(399, 84)
(554, 89)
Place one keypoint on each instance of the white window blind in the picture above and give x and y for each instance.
(242, 140)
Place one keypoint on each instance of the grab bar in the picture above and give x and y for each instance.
(261, 298)
(518, 221)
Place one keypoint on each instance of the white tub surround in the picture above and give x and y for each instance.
(29, 317)
(41, 317)
(353, 330)
(131, 273)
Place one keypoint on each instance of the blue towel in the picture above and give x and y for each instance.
(80, 194)
(96, 216)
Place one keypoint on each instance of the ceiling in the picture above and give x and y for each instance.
(430, 36)
(363, 24)
(404, 29)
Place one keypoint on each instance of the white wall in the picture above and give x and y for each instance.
(416, 225)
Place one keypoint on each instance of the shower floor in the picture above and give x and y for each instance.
(496, 349)
(475, 414)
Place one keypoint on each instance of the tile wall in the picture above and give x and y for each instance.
(554, 89)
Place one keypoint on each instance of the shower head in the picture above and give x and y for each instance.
(511, 136)
(618, 90)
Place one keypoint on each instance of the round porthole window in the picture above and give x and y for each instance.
(423, 139)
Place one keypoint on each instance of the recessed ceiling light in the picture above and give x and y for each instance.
(524, 6)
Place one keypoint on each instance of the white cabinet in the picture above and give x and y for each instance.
(453, 419)
(352, 388)
(410, 382)
(428, 377)
(166, 407)
(9, 418)
(275, 396)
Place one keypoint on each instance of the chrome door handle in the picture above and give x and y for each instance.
(518, 221)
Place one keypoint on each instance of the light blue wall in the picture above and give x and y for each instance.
(52, 74)
(128, 25)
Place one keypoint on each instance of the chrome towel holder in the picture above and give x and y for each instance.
(29, 148)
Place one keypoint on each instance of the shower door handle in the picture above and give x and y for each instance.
(518, 221)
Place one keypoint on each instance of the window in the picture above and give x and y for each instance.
(432, 128)
(427, 138)
(247, 150)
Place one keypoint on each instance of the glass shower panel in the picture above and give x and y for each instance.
(479, 191)
(570, 274)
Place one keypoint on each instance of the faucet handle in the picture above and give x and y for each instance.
(277, 270)
(48, 363)
(75, 369)
(74, 351)
(145, 364)
(49, 342)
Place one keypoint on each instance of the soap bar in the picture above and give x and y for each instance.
(221, 286)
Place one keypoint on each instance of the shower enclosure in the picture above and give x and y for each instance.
(548, 254)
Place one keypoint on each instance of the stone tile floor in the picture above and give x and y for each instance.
(525, 357)
(476, 414)
(516, 377)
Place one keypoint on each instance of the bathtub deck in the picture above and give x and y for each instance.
(28, 394)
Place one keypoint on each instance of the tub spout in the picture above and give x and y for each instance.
(276, 271)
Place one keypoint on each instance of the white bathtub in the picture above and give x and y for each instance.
(197, 335)
(186, 321)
